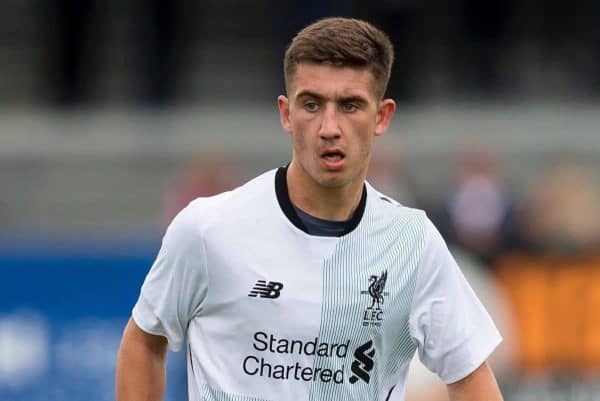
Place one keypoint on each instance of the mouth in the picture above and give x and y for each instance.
(333, 155)
(333, 159)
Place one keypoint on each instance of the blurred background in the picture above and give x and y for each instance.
(115, 114)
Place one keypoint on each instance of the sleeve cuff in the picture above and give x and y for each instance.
(459, 368)
(146, 320)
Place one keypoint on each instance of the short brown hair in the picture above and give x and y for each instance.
(342, 42)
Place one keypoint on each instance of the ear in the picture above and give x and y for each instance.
(386, 110)
(284, 113)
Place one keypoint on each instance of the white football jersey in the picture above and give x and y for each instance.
(269, 312)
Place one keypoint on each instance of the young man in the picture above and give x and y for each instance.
(306, 283)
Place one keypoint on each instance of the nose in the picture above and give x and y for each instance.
(330, 128)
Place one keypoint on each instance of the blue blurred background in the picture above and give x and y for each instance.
(114, 114)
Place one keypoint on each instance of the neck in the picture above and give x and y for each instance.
(335, 203)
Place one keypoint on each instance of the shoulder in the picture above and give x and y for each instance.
(405, 227)
(226, 206)
(384, 205)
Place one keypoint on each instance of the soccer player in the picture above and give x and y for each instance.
(306, 283)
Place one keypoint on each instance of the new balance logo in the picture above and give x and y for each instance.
(363, 363)
(262, 289)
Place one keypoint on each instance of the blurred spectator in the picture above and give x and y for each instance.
(206, 175)
(476, 209)
(554, 281)
(561, 212)
(388, 175)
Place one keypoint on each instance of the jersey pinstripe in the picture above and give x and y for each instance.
(390, 242)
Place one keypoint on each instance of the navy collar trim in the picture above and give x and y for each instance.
(283, 198)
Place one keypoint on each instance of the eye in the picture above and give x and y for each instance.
(311, 106)
(349, 107)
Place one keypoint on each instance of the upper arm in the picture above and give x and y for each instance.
(141, 364)
(134, 338)
(175, 287)
(453, 331)
(480, 385)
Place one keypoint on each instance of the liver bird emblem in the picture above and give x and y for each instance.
(376, 289)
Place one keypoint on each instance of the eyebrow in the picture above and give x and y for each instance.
(353, 98)
(307, 93)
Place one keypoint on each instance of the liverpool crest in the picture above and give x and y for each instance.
(373, 315)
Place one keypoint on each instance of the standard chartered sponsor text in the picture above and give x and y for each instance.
(269, 345)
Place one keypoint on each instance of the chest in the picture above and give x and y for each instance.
(305, 288)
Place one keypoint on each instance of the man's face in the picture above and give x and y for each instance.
(332, 114)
